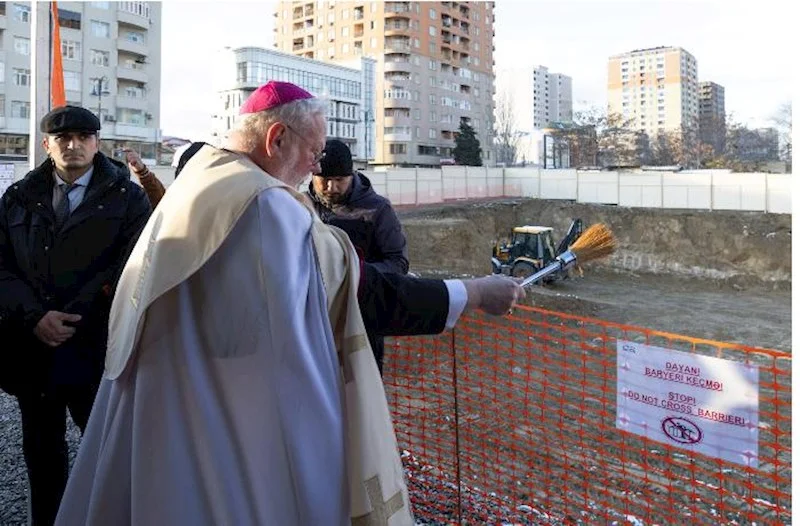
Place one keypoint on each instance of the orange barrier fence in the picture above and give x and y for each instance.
(517, 420)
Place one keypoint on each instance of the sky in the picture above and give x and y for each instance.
(744, 46)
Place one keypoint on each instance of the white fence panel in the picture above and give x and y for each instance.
(779, 193)
(494, 182)
(454, 182)
(739, 191)
(637, 190)
(401, 186)
(598, 187)
(558, 184)
(429, 186)
(687, 190)
(476, 182)
(378, 180)
(522, 182)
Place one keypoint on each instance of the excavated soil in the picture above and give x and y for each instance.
(710, 274)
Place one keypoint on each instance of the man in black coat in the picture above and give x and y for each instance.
(66, 231)
(345, 198)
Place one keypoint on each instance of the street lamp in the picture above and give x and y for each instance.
(368, 117)
(97, 89)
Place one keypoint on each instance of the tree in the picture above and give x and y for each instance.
(746, 150)
(468, 149)
(783, 122)
(506, 133)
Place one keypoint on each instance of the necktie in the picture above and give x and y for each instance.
(63, 210)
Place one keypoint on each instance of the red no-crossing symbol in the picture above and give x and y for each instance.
(681, 430)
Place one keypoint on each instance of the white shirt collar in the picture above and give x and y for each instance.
(80, 181)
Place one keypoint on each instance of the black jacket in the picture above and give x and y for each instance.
(397, 305)
(370, 222)
(73, 271)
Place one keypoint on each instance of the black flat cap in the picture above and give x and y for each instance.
(69, 118)
(338, 161)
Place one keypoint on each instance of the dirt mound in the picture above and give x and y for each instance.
(741, 248)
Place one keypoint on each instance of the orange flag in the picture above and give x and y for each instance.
(57, 95)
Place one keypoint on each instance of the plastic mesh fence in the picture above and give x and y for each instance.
(513, 421)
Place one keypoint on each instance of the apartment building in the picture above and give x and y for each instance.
(349, 90)
(433, 61)
(712, 115)
(552, 98)
(112, 66)
(535, 99)
(654, 90)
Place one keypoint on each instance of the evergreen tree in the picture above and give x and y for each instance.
(468, 150)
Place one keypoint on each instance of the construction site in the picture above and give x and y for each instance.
(722, 275)
(512, 420)
(518, 421)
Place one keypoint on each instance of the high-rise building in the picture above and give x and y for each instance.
(712, 115)
(434, 67)
(350, 91)
(112, 66)
(654, 90)
(552, 98)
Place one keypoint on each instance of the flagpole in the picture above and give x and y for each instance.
(39, 79)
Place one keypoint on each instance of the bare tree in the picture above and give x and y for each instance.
(506, 132)
(783, 122)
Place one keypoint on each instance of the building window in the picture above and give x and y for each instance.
(345, 31)
(136, 8)
(134, 36)
(69, 19)
(22, 77)
(431, 133)
(71, 50)
(99, 58)
(72, 81)
(22, 45)
(20, 109)
(22, 13)
(432, 31)
(397, 149)
(432, 14)
(101, 29)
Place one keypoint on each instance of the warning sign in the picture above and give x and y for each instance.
(702, 403)
(6, 176)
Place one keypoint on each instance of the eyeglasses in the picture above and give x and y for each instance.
(317, 156)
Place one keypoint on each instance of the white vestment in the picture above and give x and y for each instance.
(231, 409)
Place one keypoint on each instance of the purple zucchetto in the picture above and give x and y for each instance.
(273, 93)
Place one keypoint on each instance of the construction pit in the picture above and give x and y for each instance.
(719, 275)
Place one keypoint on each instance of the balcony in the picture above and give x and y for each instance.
(397, 7)
(138, 73)
(397, 66)
(137, 48)
(134, 103)
(397, 28)
(123, 129)
(397, 77)
(125, 17)
(398, 46)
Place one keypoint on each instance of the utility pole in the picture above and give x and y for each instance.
(99, 92)
(39, 79)
(367, 119)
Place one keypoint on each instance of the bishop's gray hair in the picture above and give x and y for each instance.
(253, 127)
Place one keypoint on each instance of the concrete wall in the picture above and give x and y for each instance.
(698, 190)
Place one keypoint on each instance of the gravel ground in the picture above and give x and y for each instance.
(13, 479)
